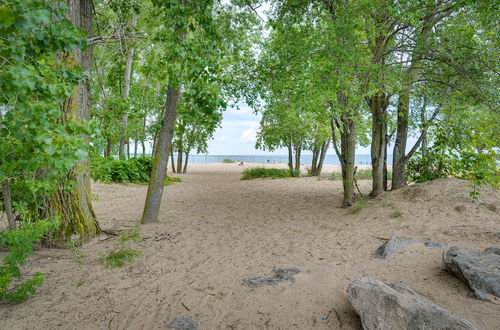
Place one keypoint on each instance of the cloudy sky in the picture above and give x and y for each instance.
(237, 135)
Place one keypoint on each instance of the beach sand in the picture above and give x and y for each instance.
(216, 231)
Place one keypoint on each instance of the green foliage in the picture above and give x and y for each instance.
(118, 258)
(397, 214)
(73, 246)
(228, 161)
(273, 173)
(20, 244)
(107, 170)
(37, 150)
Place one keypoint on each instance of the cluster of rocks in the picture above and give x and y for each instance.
(395, 306)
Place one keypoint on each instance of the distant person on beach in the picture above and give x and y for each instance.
(241, 164)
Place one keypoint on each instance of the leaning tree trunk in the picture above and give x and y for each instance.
(324, 150)
(72, 203)
(172, 158)
(378, 105)
(155, 187)
(184, 170)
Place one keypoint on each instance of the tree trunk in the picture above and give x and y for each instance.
(184, 170)
(324, 150)
(172, 158)
(298, 149)
(109, 148)
(378, 105)
(348, 147)
(346, 153)
(155, 187)
(7, 204)
(126, 92)
(399, 153)
(73, 203)
(135, 147)
(179, 160)
(386, 145)
(314, 158)
(290, 156)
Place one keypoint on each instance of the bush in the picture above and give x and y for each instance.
(107, 170)
(134, 170)
(228, 161)
(273, 173)
(20, 244)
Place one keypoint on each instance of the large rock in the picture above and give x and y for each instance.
(393, 244)
(480, 271)
(394, 306)
(182, 323)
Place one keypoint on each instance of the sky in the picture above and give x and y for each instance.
(237, 135)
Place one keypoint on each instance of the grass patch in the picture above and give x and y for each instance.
(273, 173)
(169, 180)
(359, 204)
(228, 161)
(135, 236)
(397, 214)
(118, 258)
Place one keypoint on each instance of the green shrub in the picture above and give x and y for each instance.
(20, 244)
(134, 170)
(228, 161)
(273, 173)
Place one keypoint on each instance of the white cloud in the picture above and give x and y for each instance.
(249, 135)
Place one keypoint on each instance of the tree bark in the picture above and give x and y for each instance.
(290, 156)
(298, 149)
(184, 170)
(378, 106)
(7, 203)
(126, 92)
(399, 153)
(73, 203)
(109, 148)
(346, 153)
(324, 150)
(155, 187)
(172, 158)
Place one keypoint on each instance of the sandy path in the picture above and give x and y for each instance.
(222, 230)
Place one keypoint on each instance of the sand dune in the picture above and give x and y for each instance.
(215, 231)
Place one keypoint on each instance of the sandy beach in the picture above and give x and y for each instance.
(216, 231)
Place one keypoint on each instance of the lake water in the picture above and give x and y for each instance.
(269, 159)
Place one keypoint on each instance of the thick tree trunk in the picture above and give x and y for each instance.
(155, 187)
(184, 170)
(378, 105)
(73, 203)
(348, 147)
(109, 148)
(315, 157)
(126, 92)
(7, 204)
(399, 153)
(290, 156)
